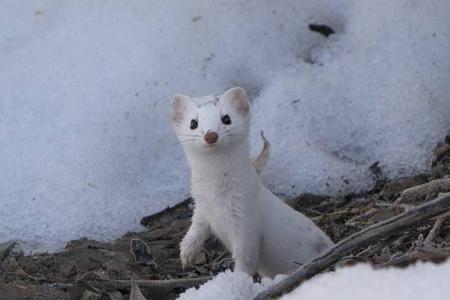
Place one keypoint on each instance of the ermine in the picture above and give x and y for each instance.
(263, 234)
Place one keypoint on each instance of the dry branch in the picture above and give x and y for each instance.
(151, 286)
(419, 253)
(425, 191)
(408, 219)
(434, 231)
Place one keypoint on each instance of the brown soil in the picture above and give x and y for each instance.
(66, 275)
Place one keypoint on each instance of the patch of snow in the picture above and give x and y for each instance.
(86, 144)
(420, 281)
(417, 282)
(378, 91)
(229, 285)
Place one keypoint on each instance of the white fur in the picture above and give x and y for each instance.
(263, 234)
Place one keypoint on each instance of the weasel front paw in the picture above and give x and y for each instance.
(189, 250)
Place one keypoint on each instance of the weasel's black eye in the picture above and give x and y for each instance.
(226, 120)
(194, 124)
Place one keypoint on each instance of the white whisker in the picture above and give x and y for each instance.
(187, 141)
(237, 135)
(190, 135)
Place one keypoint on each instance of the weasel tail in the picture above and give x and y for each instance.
(263, 234)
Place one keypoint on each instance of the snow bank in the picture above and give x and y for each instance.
(379, 91)
(420, 281)
(86, 146)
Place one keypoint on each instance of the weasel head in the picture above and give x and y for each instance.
(210, 123)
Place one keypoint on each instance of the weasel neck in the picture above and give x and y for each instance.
(231, 161)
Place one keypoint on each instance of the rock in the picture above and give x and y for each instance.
(89, 295)
(116, 295)
(5, 250)
(141, 253)
(84, 291)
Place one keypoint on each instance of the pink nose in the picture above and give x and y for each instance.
(211, 137)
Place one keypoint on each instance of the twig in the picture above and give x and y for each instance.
(372, 249)
(419, 241)
(420, 253)
(432, 234)
(410, 218)
(425, 191)
(151, 285)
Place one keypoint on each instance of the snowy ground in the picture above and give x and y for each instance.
(86, 146)
(421, 281)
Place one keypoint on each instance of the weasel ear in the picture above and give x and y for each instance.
(179, 107)
(238, 99)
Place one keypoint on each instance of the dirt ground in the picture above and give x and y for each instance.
(86, 268)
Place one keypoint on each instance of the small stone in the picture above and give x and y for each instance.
(89, 295)
(84, 291)
(5, 250)
(141, 253)
(116, 295)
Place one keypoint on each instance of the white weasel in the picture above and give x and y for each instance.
(263, 233)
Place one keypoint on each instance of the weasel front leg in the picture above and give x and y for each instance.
(193, 241)
(246, 254)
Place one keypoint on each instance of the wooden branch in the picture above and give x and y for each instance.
(425, 191)
(434, 231)
(408, 219)
(425, 253)
(372, 249)
(151, 286)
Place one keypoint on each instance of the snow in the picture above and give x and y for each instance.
(420, 281)
(378, 92)
(229, 285)
(86, 144)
